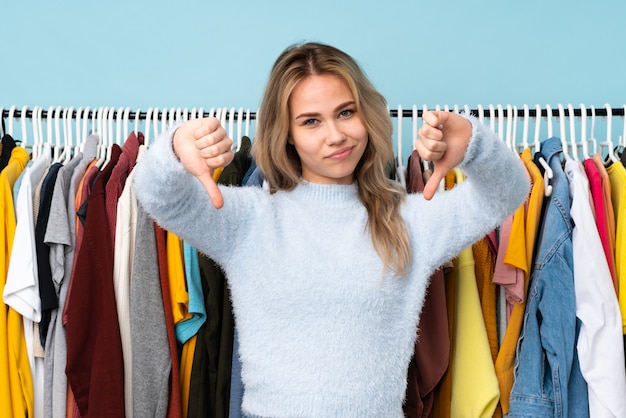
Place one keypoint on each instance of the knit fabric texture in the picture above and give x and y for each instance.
(324, 330)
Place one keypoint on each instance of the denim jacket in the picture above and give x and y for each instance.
(548, 381)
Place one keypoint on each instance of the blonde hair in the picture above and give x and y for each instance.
(281, 166)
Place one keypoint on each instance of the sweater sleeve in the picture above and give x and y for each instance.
(177, 201)
(496, 184)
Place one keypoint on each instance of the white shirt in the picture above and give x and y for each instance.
(21, 290)
(600, 344)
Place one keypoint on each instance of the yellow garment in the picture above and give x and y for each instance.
(484, 261)
(617, 176)
(506, 355)
(471, 355)
(176, 272)
(186, 364)
(16, 381)
(180, 307)
(608, 213)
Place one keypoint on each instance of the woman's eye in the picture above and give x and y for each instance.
(310, 121)
(345, 113)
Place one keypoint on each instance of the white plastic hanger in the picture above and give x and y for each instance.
(514, 145)
(400, 170)
(39, 140)
(549, 119)
(179, 115)
(107, 124)
(623, 141)
(583, 132)
(414, 117)
(222, 111)
(248, 121)
(67, 135)
(78, 127)
(49, 123)
(35, 118)
(525, 121)
(137, 122)
(119, 113)
(11, 117)
(239, 126)
(24, 138)
(548, 174)
(481, 113)
(231, 128)
(100, 127)
(572, 132)
(125, 118)
(164, 116)
(609, 139)
(537, 140)
(500, 116)
(171, 117)
(492, 118)
(58, 147)
(425, 163)
(85, 128)
(563, 132)
(148, 122)
(399, 134)
(509, 126)
(155, 123)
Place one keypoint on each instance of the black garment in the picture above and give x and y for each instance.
(47, 291)
(8, 143)
(209, 387)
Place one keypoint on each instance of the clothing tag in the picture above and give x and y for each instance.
(38, 350)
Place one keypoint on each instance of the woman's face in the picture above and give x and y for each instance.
(326, 130)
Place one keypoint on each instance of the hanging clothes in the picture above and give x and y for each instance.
(21, 290)
(61, 237)
(432, 347)
(95, 369)
(531, 210)
(548, 381)
(175, 404)
(209, 393)
(600, 332)
(16, 391)
(617, 176)
(472, 357)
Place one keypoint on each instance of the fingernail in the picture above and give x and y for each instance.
(440, 126)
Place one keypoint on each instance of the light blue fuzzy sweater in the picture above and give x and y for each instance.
(321, 333)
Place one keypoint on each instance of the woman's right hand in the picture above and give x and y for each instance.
(202, 146)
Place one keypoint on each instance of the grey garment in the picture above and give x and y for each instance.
(61, 237)
(151, 361)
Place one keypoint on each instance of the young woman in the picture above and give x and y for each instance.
(328, 269)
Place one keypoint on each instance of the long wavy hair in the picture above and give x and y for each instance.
(281, 165)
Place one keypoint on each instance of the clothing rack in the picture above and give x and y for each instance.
(157, 113)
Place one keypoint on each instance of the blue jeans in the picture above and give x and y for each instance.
(548, 381)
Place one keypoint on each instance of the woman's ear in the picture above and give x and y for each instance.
(289, 140)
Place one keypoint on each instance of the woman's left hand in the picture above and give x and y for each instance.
(443, 139)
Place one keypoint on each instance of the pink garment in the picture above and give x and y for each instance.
(597, 195)
(510, 278)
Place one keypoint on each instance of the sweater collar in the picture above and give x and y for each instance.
(327, 193)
